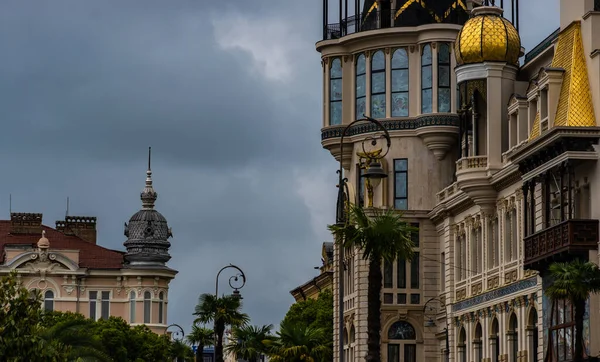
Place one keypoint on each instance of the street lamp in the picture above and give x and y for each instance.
(177, 335)
(429, 322)
(372, 173)
(236, 294)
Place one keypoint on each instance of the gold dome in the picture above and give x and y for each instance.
(487, 36)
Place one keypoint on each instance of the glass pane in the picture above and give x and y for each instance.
(444, 54)
(105, 308)
(93, 295)
(393, 353)
(400, 59)
(426, 77)
(160, 312)
(388, 273)
(146, 311)
(415, 235)
(444, 76)
(132, 311)
(378, 82)
(400, 104)
(400, 80)
(336, 68)
(360, 65)
(105, 295)
(402, 330)
(415, 299)
(401, 274)
(426, 55)
(378, 61)
(49, 305)
(401, 165)
(444, 100)
(361, 85)
(414, 272)
(401, 298)
(388, 298)
(49, 294)
(336, 90)
(410, 353)
(426, 98)
(401, 191)
(378, 106)
(361, 107)
(335, 116)
(401, 204)
(93, 309)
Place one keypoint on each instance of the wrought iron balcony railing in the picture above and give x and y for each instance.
(557, 242)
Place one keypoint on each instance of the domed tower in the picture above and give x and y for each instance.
(147, 231)
(487, 51)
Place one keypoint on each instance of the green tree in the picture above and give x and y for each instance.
(181, 352)
(299, 343)
(224, 311)
(20, 326)
(250, 342)
(201, 337)
(384, 235)
(574, 281)
(316, 313)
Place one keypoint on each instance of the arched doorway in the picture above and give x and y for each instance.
(477, 350)
(532, 335)
(461, 346)
(402, 342)
(513, 338)
(495, 341)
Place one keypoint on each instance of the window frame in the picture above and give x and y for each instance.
(49, 299)
(407, 91)
(331, 100)
(396, 174)
(449, 86)
(430, 87)
(147, 307)
(384, 92)
(161, 308)
(356, 75)
(132, 306)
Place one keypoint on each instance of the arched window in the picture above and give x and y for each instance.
(161, 301)
(400, 83)
(378, 85)
(444, 97)
(402, 330)
(49, 300)
(335, 92)
(361, 86)
(426, 80)
(132, 307)
(147, 305)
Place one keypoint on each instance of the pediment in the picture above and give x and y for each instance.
(43, 261)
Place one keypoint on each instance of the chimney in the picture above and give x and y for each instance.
(25, 223)
(83, 227)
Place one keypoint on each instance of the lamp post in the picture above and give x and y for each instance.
(430, 322)
(375, 173)
(236, 294)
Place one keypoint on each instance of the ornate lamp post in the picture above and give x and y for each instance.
(178, 334)
(375, 173)
(236, 293)
(430, 312)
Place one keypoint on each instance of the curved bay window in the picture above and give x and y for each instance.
(443, 66)
(361, 85)
(335, 92)
(426, 80)
(400, 83)
(402, 342)
(378, 85)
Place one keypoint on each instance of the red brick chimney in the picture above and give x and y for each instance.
(83, 227)
(25, 223)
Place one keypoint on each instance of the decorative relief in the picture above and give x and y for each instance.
(412, 48)
(510, 277)
(477, 222)
(494, 294)
(346, 58)
(476, 288)
(493, 282)
(461, 294)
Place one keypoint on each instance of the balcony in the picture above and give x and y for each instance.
(472, 177)
(558, 242)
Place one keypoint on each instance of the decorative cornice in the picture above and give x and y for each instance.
(497, 293)
(427, 120)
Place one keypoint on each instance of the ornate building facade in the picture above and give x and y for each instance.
(493, 156)
(73, 273)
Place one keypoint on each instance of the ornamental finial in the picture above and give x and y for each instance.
(148, 195)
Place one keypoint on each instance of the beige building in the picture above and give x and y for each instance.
(494, 158)
(73, 273)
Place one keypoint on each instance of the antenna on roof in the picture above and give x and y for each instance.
(67, 213)
(149, 157)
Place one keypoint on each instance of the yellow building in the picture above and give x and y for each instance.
(493, 156)
(74, 273)
(323, 281)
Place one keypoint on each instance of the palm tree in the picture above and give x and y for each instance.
(201, 337)
(574, 281)
(297, 342)
(181, 352)
(384, 235)
(224, 311)
(250, 342)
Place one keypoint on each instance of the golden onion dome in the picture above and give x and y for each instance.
(487, 36)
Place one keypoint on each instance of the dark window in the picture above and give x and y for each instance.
(335, 92)
(401, 184)
(132, 307)
(402, 330)
(388, 298)
(426, 80)
(401, 273)
(360, 181)
(147, 304)
(49, 301)
(444, 95)
(415, 299)
(393, 353)
(410, 353)
(401, 298)
(378, 85)
(596, 5)
(105, 307)
(415, 234)
(414, 272)
(361, 86)
(388, 274)
(161, 300)
(400, 77)
(93, 297)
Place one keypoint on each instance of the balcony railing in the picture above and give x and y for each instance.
(474, 162)
(568, 237)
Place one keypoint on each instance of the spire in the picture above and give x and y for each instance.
(148, 196)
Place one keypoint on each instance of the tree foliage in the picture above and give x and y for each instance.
(250, 342)
(297, 342)
(201, 337)
(315, 313)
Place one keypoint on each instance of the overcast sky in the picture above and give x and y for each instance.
(227, 93)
